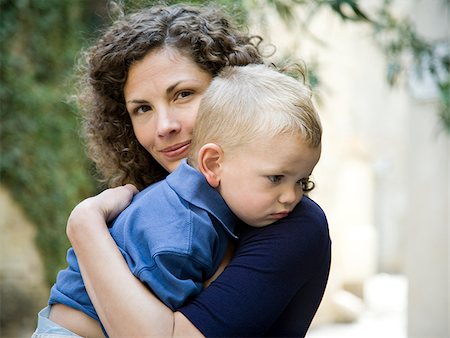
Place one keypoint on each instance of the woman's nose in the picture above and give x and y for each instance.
(167, 123)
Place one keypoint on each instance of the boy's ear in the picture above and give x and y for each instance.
(209, 159)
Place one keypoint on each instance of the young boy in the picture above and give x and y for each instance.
(256, 140)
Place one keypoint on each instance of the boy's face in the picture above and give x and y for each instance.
(262, 182)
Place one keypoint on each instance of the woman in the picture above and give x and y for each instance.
(144, 81)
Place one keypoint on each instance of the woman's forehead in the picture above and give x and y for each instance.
(162, 70)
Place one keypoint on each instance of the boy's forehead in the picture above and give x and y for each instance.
(284, 153)
(275, 143)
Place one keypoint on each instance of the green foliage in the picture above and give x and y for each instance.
(43, 162)
(400, 41)
(232, 7)
(346, 9)
(397, 38)
(444, 112)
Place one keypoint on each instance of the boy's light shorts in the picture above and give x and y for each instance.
(48, 329)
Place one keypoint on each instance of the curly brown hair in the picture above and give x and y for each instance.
(202, 33)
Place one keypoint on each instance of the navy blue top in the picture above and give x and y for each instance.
(274, 283)
(173, 236)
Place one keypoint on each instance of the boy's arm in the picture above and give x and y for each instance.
(160, 249)
(75, 321)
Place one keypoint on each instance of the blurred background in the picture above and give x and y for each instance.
(380, 72)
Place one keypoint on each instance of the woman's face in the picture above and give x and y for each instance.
(162, 95)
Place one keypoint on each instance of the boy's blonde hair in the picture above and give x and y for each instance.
(244, 103)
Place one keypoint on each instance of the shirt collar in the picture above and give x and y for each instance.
(191, 185)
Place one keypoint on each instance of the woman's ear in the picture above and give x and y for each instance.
(209, 159)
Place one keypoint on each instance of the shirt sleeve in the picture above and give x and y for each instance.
(274, 283)
(174, 278)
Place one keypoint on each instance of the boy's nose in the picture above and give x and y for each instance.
(289, 196)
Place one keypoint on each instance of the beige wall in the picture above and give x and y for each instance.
(383, 179)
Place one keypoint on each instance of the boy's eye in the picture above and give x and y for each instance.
(275, 178)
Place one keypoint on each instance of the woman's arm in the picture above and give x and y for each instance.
(124, 305)
(274, 283)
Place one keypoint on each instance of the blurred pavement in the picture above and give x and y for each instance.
(384, 314)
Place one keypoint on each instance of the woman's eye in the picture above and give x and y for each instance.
(275, 178)
(183, 94)
(143, 109)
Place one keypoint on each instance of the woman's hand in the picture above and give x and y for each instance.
(108, 203)
(105, 206)
(112, 202)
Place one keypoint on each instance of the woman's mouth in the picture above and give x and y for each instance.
(178, 150)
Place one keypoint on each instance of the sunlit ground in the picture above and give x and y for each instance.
(384, 314)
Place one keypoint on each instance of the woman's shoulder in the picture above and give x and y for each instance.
(309, 210)
(306, 218)
(298, 239)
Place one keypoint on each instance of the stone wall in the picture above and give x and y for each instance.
(22, 287)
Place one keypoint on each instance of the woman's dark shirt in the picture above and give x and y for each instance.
(274, 283)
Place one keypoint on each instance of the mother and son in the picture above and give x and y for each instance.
(221, 240)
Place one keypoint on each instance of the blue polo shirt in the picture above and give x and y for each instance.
(173, 236)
